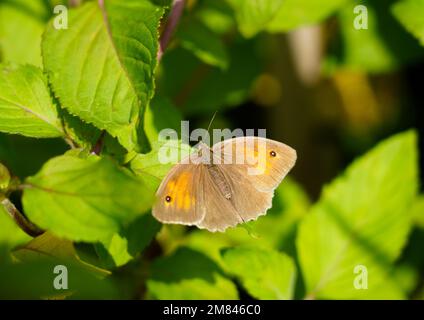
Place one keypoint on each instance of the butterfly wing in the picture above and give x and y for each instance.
(220, 211)
(242, 203)
(227, 193)
(179, 198)
(265, 162)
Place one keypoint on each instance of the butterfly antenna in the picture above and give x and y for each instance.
(213, 118)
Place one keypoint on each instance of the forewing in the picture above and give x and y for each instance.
(265, 162)
(179, 198)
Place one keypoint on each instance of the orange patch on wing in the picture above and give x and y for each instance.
(264, 167)
(183, 180)
(258, 158)
(178, 190)
(184, 201)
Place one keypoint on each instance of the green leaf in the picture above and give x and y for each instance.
(383, 47)
(275, 230)
(408, 12)
(296, 13)
(21, 27)
(15, 150)
(84, 199)
(161, 114)
(253, 16)
(281, 15)
(102, 67)
(5, 178)
(26, 107)
(198, 89)
(188, 275)
(362, 218)
(278, 227)
(124, 246)
(49, 246)
(34, 280)
(10, 234)
(151, 169)
(265, 274)
(82, 134)
(203, 43)
(418, 211)
(216, 15)
(406, 277)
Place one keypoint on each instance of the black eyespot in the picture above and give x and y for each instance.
(272, 153)
(168, 199)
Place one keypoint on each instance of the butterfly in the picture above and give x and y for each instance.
(212, 189)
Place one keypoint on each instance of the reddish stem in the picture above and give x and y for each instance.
(26, 225)
(97, 148)
(74, 3)
(171, 25)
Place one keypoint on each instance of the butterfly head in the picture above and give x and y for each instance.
(204, 153)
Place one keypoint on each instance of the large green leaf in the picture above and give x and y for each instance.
(363, 218)
(254, 15)
(150, 167)
(382, 47)
(21, 27)
(81, 134)
(84, 199)
(126, 245)
(266, 274)
(198, 89)
(275, 230)
(26, 107)
(47, 245)
(15, 150)
(418, 211)
(295, 13)
(216, 15)
(102, 67)
(161, 114)
(188, 275)
(278, 227)
(409, 13)
(204, 43)
(35, 280)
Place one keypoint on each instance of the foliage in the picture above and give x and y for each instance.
(265, 275)
(368, 227)
(406, 11)
(81, 111)
(84, 198)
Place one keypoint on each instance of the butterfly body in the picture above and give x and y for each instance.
(219, 187)
(220, 180)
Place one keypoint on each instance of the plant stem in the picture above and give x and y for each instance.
(74, 3)
(97, 149)
(27, 226)
(171, 25)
